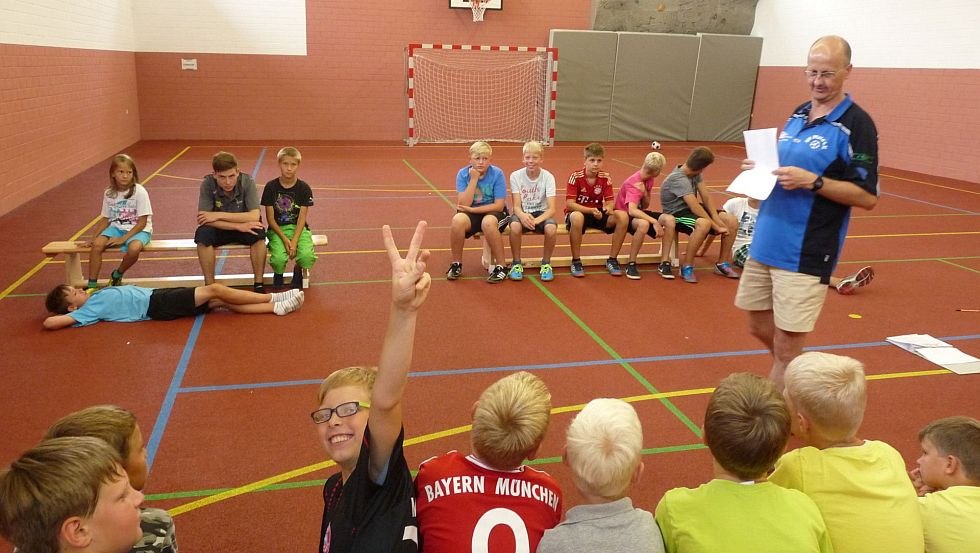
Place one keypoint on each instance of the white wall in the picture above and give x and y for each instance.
(88, 24)
(882, 33)
(202, 26)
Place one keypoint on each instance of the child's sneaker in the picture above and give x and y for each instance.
(497, 275)
(516, 272)
(455, 271)
(613, 267)
(547, 273)
(115, 279)
(297, 281)
(687, 273)
(288, 305)
(504, 223)
(849, 284)
(277, 280)
(665, 270)
(577, 270)
(258, 288)
(725, 270)
(631, 271)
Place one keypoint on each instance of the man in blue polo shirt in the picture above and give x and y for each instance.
(828, 154)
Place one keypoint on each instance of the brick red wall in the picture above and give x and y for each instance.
(351, 85)
(61, 111)
(927, 119)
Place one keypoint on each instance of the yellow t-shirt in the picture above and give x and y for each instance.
(951, 520)
(863, 492)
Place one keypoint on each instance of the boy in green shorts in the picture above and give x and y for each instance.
(287, 200)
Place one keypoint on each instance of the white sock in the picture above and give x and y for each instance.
(283, 296)
(288, 305)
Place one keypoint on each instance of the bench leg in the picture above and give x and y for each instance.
(73, 269)
(306, 278)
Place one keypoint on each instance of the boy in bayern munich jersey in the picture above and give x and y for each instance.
(589, 203)
(489, 500)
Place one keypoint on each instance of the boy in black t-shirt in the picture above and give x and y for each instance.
(369, 505)
(287, 200)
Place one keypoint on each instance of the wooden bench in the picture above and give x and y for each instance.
(587, 260)
(74, 276)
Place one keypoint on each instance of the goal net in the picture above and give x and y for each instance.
(459, 93)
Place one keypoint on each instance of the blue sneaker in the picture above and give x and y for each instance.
(613, 267)
(547, 273)
(577, 270)
(516, 272)
(687, 273)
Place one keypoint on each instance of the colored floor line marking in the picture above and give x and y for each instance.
(928, 183)
(957, 265)
(430, 185)
(163, 417)
(47, 260)
(615, 355)
(278, 481)
(181, 178)
(928, 203)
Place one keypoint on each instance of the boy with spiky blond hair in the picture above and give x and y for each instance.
(69, 495)
(603, 448)
(533, 189)
(634, 199)
(461, 498)
(859, 485)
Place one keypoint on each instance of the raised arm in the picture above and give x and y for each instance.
(409, 288)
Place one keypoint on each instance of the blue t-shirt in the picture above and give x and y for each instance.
(799, 230)
(121, 304)
(490, 188)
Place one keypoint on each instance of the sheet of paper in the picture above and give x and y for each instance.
(912, 342)
(945, 356)
(758, 182)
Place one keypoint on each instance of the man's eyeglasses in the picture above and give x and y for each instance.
(321, 416)
(811, 74)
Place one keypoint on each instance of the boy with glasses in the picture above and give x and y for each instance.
(368, 506)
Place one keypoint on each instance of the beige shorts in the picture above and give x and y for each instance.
(794, 298)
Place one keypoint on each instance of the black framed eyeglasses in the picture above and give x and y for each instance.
(321, 416)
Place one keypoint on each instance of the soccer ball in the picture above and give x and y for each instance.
(655, 145)
(741, 256)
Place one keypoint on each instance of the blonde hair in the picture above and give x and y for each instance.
(829, 390)
(481, 147)
(746, 425)
(350, 376)
(290, 152)
(959, 437)
(533, 147)
(655, 161)
(111, 424)
(510, 420)
(57, 479)
(603, 447)
(121, 159)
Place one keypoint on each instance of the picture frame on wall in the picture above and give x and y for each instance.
(465, 4)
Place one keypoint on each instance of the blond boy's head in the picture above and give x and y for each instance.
(289, 151)
(362, 377)
(480, 148)
(654, 161)
(828, 392)
(594, 150)
(603, 447)
(510, 420)
(533, 147)
(746, 425)
(46, 493)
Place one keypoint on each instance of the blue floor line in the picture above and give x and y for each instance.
(156, 436)
(570, 364)
(930, 203)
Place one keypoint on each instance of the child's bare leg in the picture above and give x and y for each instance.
(640, 226)
(621, 220)
(705, 245)
(550, 239)
(701, 228)
(668, 222)
(249, 309)
(576, 227)
(229, 296)
(457, 234)
(205, 256)
(257, 255)
(133, 250)
(492, 236)
(95, 256)
(516, 229)
(727, 240)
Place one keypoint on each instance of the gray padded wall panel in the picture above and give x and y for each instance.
(724, 87)
(652, 94)
(586, 62)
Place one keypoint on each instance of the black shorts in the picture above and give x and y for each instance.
(476, 220)
(651, 232)
(686, 219)
(592, 222)
(207, 235)
(167, 304)
(538, 228)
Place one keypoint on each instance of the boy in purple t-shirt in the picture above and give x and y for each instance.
(634, 199)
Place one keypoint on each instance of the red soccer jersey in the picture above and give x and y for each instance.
(590, 195)
(464, 505)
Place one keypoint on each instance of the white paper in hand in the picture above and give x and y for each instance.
(758, 182)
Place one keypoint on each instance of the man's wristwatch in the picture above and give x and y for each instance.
(817, 184)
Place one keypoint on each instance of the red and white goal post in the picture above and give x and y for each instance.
(465, 93)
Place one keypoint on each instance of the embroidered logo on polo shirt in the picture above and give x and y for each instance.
(816, 142)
